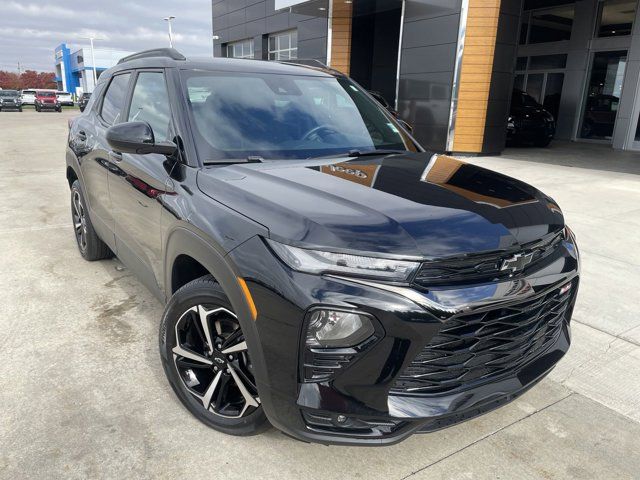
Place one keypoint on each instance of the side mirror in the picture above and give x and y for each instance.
(137, 138)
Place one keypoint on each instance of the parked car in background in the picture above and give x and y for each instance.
(84, 99)
(46, 100)
(600, 116)
(65, 99)
(319, 268)
(28, 97)
(10, 100)
(529, 122)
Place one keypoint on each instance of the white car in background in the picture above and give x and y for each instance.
(28, 97)
(65, 98)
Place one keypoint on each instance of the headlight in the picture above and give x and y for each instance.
(317, 261)
(336, 329)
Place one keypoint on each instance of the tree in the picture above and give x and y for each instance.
(28, 79)
(9, 80)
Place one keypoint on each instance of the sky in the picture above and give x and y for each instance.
(30, 30)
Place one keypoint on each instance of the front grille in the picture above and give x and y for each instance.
(474, 348)
(483, 267)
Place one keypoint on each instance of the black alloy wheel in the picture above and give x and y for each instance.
(206, 359)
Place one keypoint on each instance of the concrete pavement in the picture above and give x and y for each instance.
(83, 395)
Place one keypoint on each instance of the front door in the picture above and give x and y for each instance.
(137, 183)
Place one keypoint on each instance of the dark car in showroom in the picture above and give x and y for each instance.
(47, 100)
(10, 100)
(321, 272)
(529, 122)
(84, 99)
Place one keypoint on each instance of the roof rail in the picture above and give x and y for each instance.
(155, 52)
(305, 62)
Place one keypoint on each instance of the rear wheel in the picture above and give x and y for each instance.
(90, 245)
(206, 359)
(37, 108)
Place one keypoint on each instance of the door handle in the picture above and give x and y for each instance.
(82, 136)
(115, 156)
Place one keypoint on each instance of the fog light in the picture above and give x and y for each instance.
(336, 329)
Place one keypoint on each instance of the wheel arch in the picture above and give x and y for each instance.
(72, 175)
(183, 248)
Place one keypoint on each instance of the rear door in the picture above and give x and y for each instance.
(90, 138)
(138, 183)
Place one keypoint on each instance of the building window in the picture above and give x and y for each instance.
(241, 49)
(283, 46)
(542, 77)
(548, 25)
(80, 59)
(615, 18)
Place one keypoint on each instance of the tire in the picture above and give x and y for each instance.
(90, 245)
(210, 378)
(59, 109)
(37, 108)
(542, 142)
(20, 109)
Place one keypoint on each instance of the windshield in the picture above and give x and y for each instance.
(46, 94)
(8, 93)
(523, 99)
(241, 115)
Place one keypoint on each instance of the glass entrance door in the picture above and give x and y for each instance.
(601, 103)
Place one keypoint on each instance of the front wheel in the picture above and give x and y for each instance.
(207, 361)
(37, 108)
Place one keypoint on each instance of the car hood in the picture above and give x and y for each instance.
(421, 204)
(530, 112)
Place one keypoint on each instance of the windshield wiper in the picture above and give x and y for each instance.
(232, 161)
(360, 153)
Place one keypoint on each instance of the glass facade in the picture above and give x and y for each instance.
(241, 49)
(603, 95)
(283, 46)
(615, 18)
(547, 25)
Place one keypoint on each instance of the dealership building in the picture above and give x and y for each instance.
(74, 66)
(450, 66)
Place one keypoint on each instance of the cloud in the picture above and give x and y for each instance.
(29, 31)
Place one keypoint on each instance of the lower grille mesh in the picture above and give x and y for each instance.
(476, 347)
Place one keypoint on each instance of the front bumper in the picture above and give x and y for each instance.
(10, 106)
(48, 106)
(357, 405)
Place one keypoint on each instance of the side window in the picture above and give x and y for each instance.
(114, 98)
(150, 103)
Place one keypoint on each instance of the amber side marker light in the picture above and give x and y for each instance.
(248, 297)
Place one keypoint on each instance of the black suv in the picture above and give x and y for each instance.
(84, 99)
(529, 122)
(321, 271)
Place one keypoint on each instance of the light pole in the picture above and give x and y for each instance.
(214, 38)
(91, 38)
(93, 64)
(168, 20)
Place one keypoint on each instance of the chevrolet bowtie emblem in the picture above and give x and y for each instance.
(516, 263)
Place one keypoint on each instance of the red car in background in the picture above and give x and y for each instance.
(47, 101)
